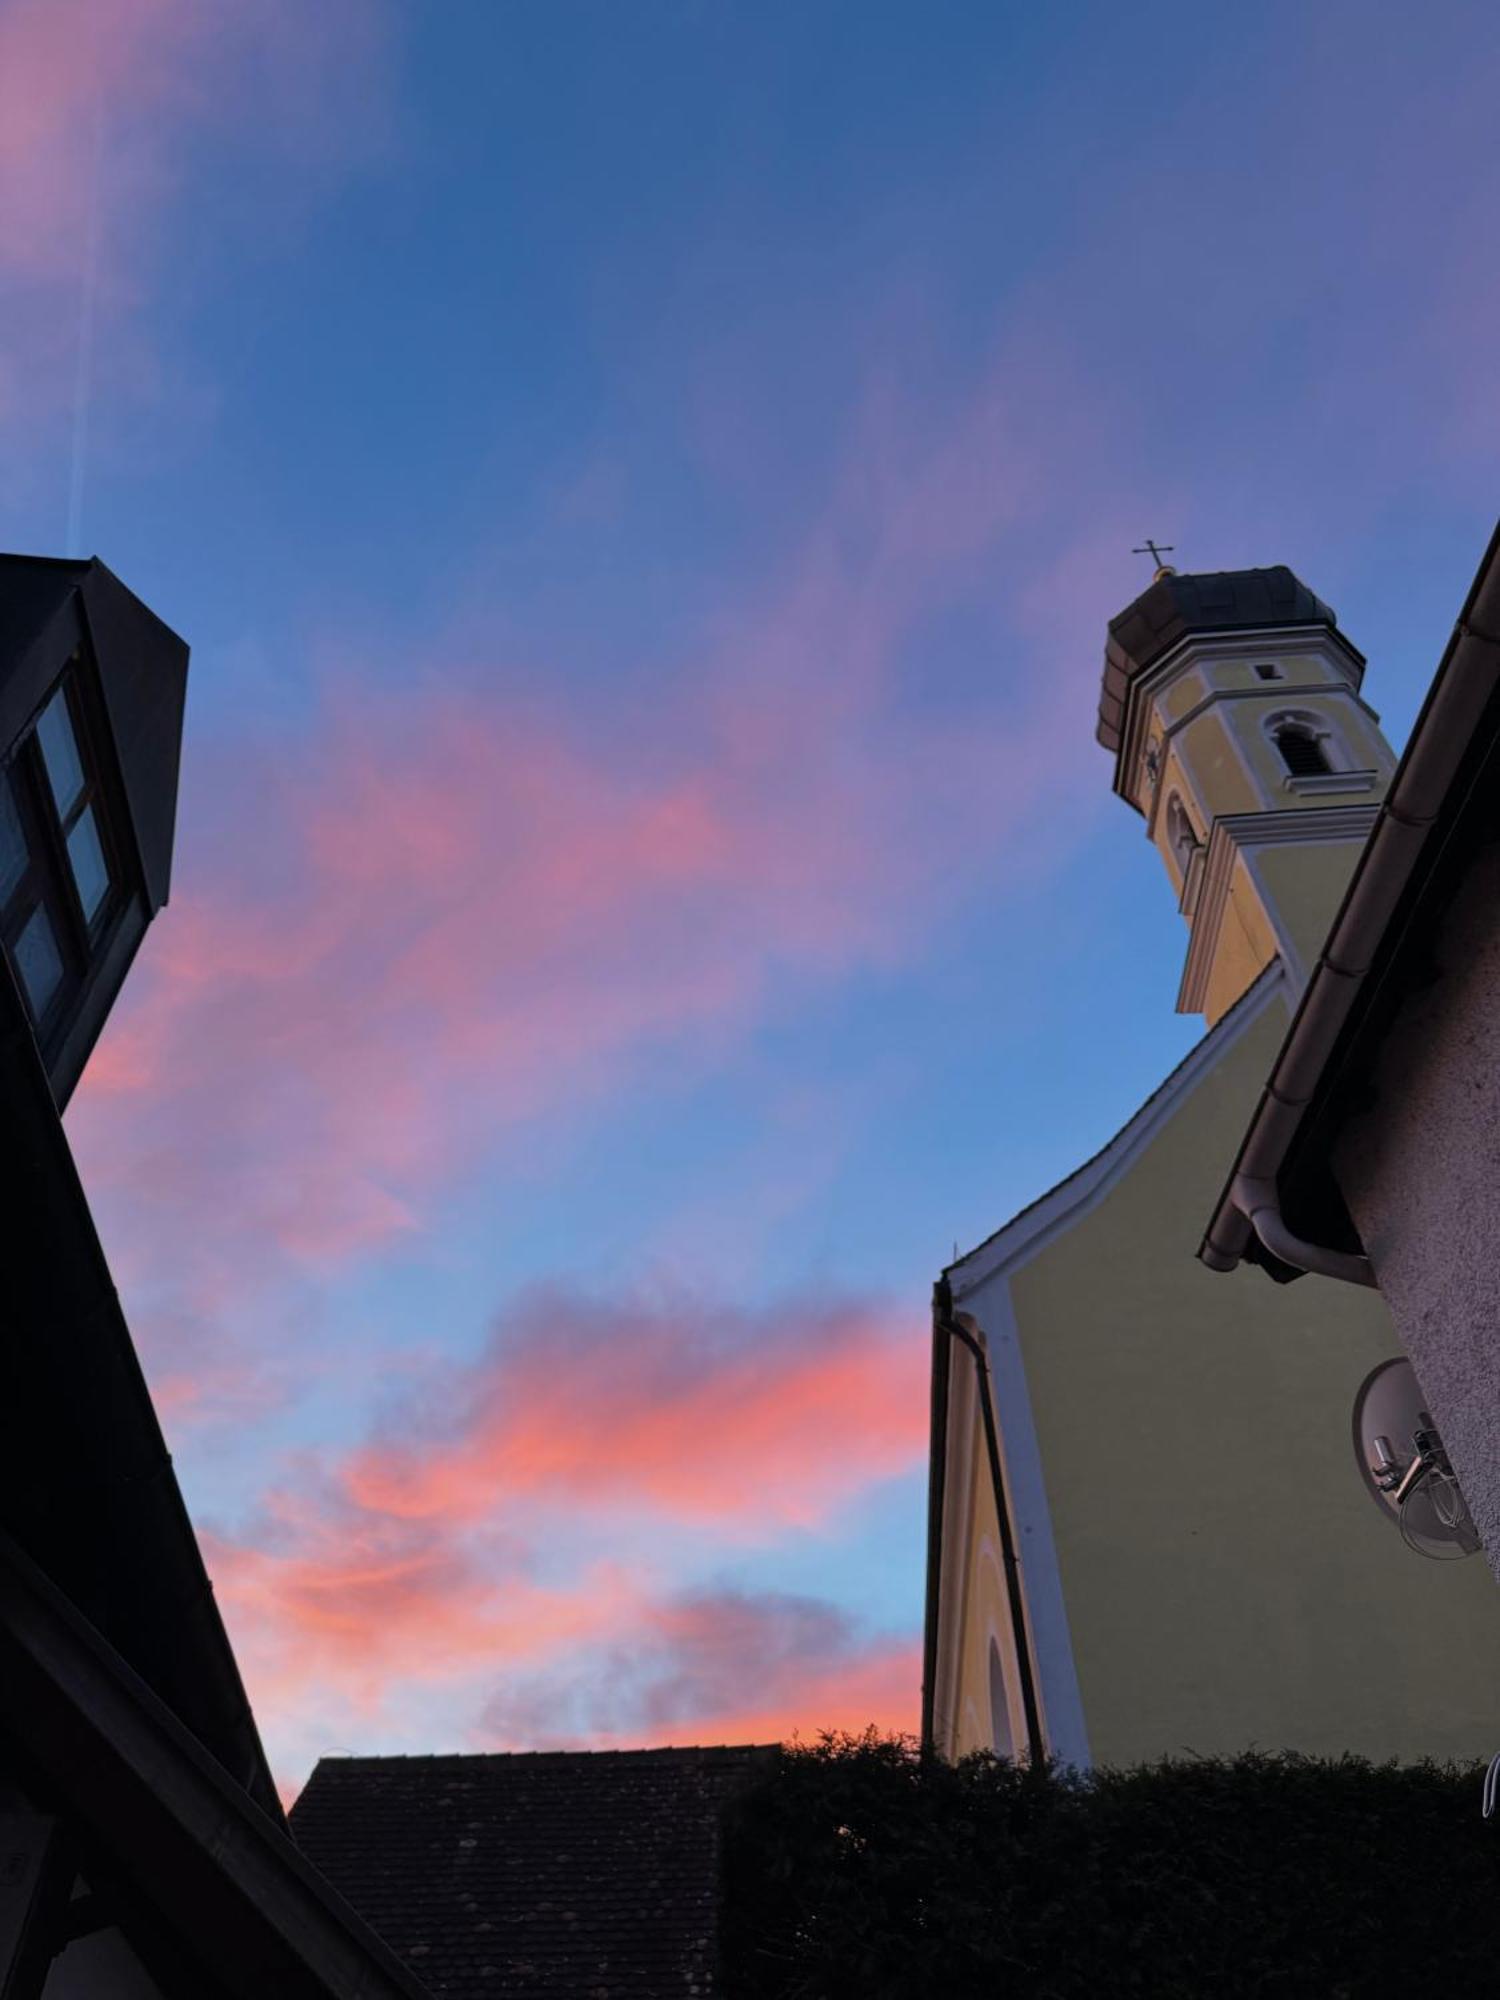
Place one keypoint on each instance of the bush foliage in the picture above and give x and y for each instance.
(854, 1868)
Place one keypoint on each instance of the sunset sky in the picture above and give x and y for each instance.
(644, 483)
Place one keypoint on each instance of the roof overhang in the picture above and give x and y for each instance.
(205, 1885)
(87, 1487)
(1281, 1207)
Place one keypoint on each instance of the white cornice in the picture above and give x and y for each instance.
(1027, 1233)
(1317, 784)
(1195, 648)
(1229, 837)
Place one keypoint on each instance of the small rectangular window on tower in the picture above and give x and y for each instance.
(1267, 670)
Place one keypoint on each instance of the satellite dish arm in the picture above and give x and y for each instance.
(1259, 1202)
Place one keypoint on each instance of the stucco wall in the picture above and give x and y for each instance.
(965, 1718)
(1245, 946)
(1421, 1172)
(1227, 1581)
(1304, 883)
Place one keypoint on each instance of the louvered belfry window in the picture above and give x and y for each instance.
(1301, 751)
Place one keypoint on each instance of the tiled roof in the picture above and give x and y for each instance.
(587, 1873)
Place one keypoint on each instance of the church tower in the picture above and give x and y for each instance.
(1117, 1567)
(1232, 704)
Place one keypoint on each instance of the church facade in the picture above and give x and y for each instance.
(1147, 1532)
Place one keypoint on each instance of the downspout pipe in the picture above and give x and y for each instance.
(952, 1326)
(1260, 1204)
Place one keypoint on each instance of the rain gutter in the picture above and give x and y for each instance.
(1248, 1218)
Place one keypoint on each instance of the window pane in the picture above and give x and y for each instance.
(89, 870)
(13, 856)
(38, 961)
(55, 733)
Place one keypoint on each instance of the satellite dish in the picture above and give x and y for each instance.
(1405, 1467)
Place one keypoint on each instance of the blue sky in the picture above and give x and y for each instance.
(645, 487)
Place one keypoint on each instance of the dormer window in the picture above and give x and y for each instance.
(55, 878)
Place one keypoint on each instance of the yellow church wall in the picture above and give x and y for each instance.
(1183, 694)
(986, 1616)
(1306, 883)
(1213, 769)
(1227, 1581)
(1246, 944)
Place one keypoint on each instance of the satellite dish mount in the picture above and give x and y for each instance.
(1406, 1470)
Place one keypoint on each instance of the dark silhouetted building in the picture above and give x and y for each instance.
(547, 1874)
(143, 1852)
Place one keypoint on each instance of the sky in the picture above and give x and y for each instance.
(645, 486)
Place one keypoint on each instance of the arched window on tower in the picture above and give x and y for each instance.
(1304, 741)
(1180, 833)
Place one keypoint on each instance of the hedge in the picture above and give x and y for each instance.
(854, 1868)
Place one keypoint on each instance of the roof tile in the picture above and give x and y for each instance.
(569, 1872)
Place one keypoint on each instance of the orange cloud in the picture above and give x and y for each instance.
(338, 1608)
(754, 1421)
(447, 921)
(718, 1666)
(505, 1534)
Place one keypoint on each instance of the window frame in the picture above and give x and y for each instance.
(1315, 729)
(49, 880)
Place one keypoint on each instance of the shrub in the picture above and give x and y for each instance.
(856, 1868)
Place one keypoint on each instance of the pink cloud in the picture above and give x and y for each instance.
(751, 1421)
(368, 1580)
(716, 1666)
(457, 913)
(98, 99)
(338, 1609)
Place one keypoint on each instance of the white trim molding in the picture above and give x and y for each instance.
(1230, 837)
(980, 1284)
(1322, 783)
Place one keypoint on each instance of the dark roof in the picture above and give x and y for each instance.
(142, 675)
(87, 1488)
(558, 1872)
(1217, 601)
(210, 1891)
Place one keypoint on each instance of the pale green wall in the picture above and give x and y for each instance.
(1227, 1580)
(1305, 884)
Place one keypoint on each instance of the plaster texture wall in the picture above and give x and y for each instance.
(1213, 766)
(1225, 1580)
(1305, 883)
(1421, 1173)
(1245, 946)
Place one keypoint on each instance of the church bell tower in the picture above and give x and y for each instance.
(1231, 702)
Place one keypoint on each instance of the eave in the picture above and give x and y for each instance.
(1280, 1206)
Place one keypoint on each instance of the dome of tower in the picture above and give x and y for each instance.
(1174, 606)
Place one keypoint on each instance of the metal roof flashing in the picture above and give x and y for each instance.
(1296, 1121)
